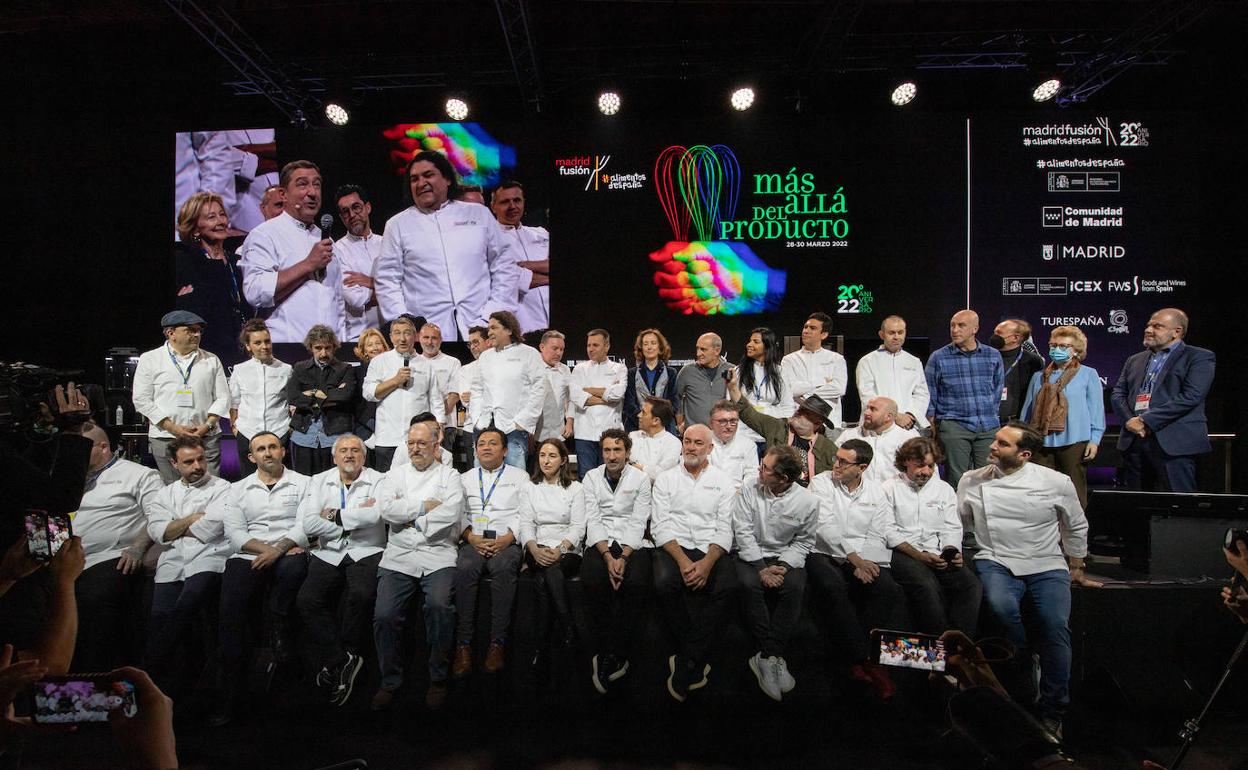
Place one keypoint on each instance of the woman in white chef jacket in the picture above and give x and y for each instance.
(552, 528)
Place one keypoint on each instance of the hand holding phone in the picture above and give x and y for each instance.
(78, 698)
(46, 533)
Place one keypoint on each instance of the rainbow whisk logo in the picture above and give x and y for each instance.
(477, 157)
(698, 188)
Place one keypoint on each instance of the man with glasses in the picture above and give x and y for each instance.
(357, 256)
(732, 452)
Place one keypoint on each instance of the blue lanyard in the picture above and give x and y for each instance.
(1155, 365)
(186, 376)
(485, 499)
(342, 496)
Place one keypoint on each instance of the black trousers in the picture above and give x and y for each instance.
(175, 608)
(309, 461)
(550, 587)
(240, 585)
(839, 591)
(503, 569)
(772, 629)
(693, 618)
(108, 617)
(939, 599)
(615, 612)
(327, 642)
(383, 456)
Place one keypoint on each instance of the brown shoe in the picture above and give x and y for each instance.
(462, 666)
(494, 659)
(382, 700)
(436, 696)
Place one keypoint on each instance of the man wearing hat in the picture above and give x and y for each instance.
(803, 431)
(182, 391)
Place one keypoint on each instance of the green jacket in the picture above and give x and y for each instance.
(776, 431)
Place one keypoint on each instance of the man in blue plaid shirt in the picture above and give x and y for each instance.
(965, 381)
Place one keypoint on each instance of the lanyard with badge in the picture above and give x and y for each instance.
(1145, 396)
(1005, 388)
(184, 397)
(481, 521)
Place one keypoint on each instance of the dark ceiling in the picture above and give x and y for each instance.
(552, 56)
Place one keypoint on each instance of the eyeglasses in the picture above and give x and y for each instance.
(841, 462)
(1062, 345)
(727, 421)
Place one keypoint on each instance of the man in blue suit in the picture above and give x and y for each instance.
(1160, 400)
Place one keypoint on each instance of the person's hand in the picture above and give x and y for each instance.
(1238, 559)
(566, 433)
(181, 431)
(771, 577)
(957, 560)
(482, 546)
(70, 401)
(401, 377)
(905, 420)
(865, 571)
(615, 570)
(965, 661)
(697, 573)
(734, 389)
(1236, 600)
(17, 562)
(933, 560)
(129, 563)
(1136, 425)
(68, 562)
(15, 678)
(320, 255)
(265, 558)
(1089, 453)
(1077, 576)
(352, 278)
(147, 737)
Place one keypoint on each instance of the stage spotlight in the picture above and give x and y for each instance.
(456, 108)
(608, 102)
(1047, 90)
(904, 93)
(743, 99)
(337, 114)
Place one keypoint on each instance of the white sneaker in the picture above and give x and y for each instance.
(784, 679)
(765, 671)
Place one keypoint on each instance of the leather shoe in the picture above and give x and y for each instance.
(436, 696)
(494, 658)
(382, 700)
(462, 665)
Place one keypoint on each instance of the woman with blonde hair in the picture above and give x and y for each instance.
(1065, 403)
(650, 376)
(206, 277)
(371, 344)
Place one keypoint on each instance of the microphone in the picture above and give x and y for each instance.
(327, 224)
(407, 359)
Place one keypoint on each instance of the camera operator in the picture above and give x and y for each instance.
(1235, 596)
(46, 468)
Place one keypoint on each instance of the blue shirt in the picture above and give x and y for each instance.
(965, 386)
(1085, 407)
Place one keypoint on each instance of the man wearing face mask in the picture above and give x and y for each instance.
(1020, 361)
(803, 431)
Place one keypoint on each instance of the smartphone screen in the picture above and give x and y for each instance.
(59, 531)
(82, 698)
(37, 535)
(905, 649)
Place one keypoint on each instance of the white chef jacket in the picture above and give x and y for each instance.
(552, 513)
(492, 499)
(822, 373)
(451, 265)
(157, 381)
(396, 410)
(1025, 520)
(618, 515)
(202, 160)
(445, 378)
(258, 392)
(358, 254)
(926, 517)
(421, 541)
(655, 454)
(248, 182)
(884, 448)
(766, 398)
(556, 408)
(361, 533)
(738, 458)
(509, 388)
(464, 384)
(113, 511)
(898, 376)
(252, 511)
(530, 244)
(201, 549)
(696, 513)
(273, 246)
(851, 522)
(771, 526)
(589, 422)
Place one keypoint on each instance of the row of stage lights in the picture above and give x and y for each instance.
(741, 99)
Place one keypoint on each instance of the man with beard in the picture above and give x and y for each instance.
(357, 253)
(879, 428)
(803, 431)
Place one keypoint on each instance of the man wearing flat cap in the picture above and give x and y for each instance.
(803, 431)
(182, 391)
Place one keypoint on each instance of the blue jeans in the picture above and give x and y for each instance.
(1047, 597)
(517, 449)
(588, 456)
(393, 591)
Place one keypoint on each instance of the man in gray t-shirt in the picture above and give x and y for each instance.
(701, 383)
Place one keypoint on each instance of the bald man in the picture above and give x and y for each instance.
(879, 428)
(1020, 362)
(965, 382)
(1160, 400)
(701, 383)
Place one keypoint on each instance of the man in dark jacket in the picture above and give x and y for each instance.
(322, 391)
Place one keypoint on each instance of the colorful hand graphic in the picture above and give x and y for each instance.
(716, 277)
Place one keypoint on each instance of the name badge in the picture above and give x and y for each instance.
(1005, 393)
(480, 523)
(184, 398)
(1141, 402)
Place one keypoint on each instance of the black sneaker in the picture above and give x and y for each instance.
(325, 679)
(683, 677)
(346, 678)
(607, 669)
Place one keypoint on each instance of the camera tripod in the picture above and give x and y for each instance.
(1192, 726)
